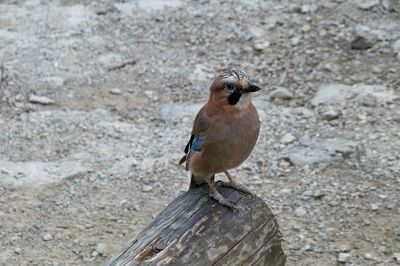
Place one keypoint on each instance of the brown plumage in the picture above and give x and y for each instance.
(224, 132)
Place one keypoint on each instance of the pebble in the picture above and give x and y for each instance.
(40, 100)
(147, 188)
(374, 207)
(261, 45)
(115, 91)
(5, 171)
(396, 46)
(368, 256)
(287, 138)
(47, 237)
(284, 164)
(281, 93)
(367, 4)
(330, 114)
(300, 212)
(306, 28)
(344, 256)
(362, 42)
(18, 251)
(101, 248)
(397, 257)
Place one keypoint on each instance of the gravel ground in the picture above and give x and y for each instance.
(97, 100)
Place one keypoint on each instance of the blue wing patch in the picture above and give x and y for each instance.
(198, 142)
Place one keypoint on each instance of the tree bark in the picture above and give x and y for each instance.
(196, 230)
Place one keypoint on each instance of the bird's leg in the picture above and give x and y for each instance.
(234, 184)
(217, 196)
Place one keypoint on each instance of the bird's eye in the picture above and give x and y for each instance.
(230, 87)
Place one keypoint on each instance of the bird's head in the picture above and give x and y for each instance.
(234, 88)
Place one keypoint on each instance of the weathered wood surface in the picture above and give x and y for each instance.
(195, 230)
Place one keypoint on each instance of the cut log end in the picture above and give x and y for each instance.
(196, 230)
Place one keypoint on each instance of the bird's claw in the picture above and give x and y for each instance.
(237, 187)
(223, 201)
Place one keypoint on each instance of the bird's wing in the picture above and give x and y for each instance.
(200, 126)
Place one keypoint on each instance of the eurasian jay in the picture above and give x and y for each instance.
(224, 133)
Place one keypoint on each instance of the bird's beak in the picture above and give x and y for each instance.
(252, 88)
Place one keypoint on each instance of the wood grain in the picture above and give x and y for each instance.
(195, 230)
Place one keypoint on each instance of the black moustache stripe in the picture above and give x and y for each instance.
(234, 97)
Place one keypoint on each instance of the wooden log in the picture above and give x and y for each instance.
(196, 230)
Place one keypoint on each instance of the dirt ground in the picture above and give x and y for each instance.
(97, 100)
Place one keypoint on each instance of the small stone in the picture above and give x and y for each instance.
(101, 248)
(308, 8)
(287, 138)
(397, 257)
(396, 46)
(330, 114)
(151, 94)
(115, 91)
(147, 188)
(295, 41)
(362, 43)
(284, 164)
(18, 251)
(300, 212)
(344, 256)
(280, 93)
(5, 171)
(367, 4)
(261, 45)
(48, 237)
(306, 28)
(374, 207)
(344, 248)
(368, 256)
(40, 100)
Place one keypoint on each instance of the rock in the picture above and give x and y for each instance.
(40, 100)
(308, 8)
(151, 94)
(257, 32)
(368, 256)
(330, 114)
(374, 207)
(39, 173)
(396, 46)
(313, 151)
(340, 93)
(287, 138)
(344, 257)
(362, 42)
(284, 164)
(115, 91)
(18, 251)
(47, 237)
(367, 4)
(397, 257)
(300, 211)
(147, 188)
(295, 41)
(261, 45)
(306, 28)
(101, 248)
(280, 93)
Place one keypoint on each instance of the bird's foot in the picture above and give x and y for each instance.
(236, 186)
(223, 201)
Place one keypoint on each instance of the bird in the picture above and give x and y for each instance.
(224, 133)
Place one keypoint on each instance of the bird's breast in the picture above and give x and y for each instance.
(232, 138)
